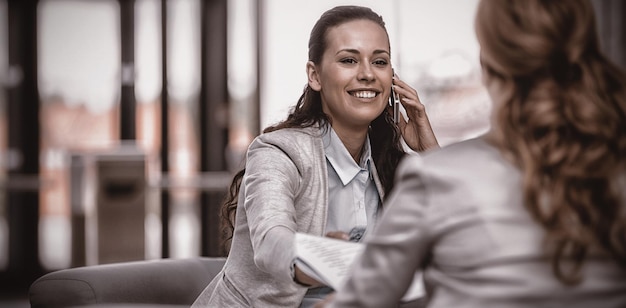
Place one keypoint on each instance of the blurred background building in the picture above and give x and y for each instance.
(122, 121)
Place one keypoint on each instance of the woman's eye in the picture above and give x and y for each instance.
(381, 62)
(351, 61)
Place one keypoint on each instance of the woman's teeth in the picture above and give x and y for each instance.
(364, 94)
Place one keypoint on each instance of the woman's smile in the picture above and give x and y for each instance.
(364, 93)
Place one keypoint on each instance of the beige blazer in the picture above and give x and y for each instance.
(284, 190)
(457, 214)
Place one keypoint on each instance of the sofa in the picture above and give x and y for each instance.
(149, 283)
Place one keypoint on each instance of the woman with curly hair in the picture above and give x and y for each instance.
(533, 214)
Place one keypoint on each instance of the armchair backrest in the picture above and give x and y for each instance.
(154, 282)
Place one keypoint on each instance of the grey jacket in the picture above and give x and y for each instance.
(458, 214)
(284, 190)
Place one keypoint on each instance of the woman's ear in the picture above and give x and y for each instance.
(313, 76)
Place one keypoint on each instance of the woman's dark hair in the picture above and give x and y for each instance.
(562, 120)
(384, 134)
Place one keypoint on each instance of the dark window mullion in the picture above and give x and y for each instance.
(128, 104)
(165, 213)
(23, 140)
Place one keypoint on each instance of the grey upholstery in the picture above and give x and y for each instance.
(165, 282)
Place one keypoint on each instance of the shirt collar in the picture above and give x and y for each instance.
(340, 158)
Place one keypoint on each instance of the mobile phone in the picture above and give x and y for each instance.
(394, 102)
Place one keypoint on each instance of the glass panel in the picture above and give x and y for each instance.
(442, 65)
(79, 84)
(4, 59)
(183, 50)
(242, 79)
(148, 87)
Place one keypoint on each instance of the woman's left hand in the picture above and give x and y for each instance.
(416, 130)
(338, 235)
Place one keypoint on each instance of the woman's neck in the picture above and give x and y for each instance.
(353, 140)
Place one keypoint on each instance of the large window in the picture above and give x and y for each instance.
(80, 74)
(83, 71)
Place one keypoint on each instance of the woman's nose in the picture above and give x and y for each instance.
(365, 72)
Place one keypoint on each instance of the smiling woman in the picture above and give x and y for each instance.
(328, 165)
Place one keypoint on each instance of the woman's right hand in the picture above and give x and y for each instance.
(304, 279)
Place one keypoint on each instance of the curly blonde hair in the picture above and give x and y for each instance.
(561, 118)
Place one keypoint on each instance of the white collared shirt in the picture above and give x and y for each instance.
(353, 199)
(352, 195)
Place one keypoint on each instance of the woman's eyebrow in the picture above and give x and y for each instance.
(356, 51)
